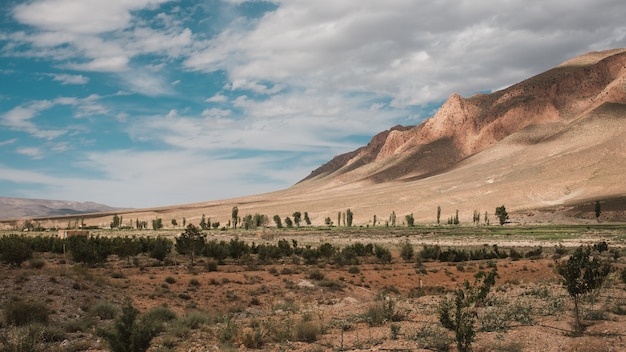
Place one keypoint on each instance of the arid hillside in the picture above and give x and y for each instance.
(548, 148)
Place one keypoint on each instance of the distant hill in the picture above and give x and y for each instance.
(547, 148)
(16, 208)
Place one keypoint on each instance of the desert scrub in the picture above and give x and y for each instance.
(129, 334)
(307, 331)
(103, 309)
(19, 312)
(170, 280)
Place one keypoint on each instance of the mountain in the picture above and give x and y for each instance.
(547, 148)
(532, 111)
(15, 208)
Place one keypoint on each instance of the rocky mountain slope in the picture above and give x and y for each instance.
(550, 101)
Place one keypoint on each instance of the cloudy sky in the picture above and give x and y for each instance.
(138, 103)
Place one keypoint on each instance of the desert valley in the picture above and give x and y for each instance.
(455, 233)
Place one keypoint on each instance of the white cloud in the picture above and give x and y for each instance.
(32, 152)
(81, 17)
(70, 79)
(217, 98)
(8, 141)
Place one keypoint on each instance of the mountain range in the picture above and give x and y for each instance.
(548, 148)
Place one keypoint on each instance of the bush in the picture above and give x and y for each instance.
(307, 331)
(159, 314)
(37, 263)
(20, 313)
(170, 280)
(15, 250)
(103, 309)
(129, 335)
(22, 339)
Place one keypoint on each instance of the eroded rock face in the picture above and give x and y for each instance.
(466, 126)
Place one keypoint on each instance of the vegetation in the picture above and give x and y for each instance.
(190, 242)
(502, 215)
(583, 273)
(129, 334)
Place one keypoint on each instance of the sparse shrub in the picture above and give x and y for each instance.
(381, 312)
(170, 280)
(316, 275)
(394, 331)
(253, 338)
(623, 275)
(383, 254)
(103, 309)
(194, 282)
(21, 339)
(195, 319)
(159, 314)
(434, 337)
(354, 269)
(37, 263)
(307, 331)
(407, 252)
(20, 312)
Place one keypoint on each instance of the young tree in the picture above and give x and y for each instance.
(307, 220)
(297, 217)
(598, 210)
(159, 248)
(582, 274)
(288, 222)
(349, 217)
(190, 242)
(202, 224)
(374, 221)
(392, 219)
(278, 222)
(235, 216)
(338, 218)
(130, 334)
(174, 222)
(116, 222)
(328, 221)
(438, 215)
(486, 218)
(502, 215)
(410, 220)
(456, 217)
(157, 224)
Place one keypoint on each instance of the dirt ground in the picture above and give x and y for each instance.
(247, 305)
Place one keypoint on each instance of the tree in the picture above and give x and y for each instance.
(202, 224)
(460, 315)
(374, 221)
(306, 219)
(438, 215)
(159, 248)
(502, 215)
(234, 216)
(410, 220)
(288, 222)
(392, 218)
(328, 221)
(128, 334)
(157, 224)
(190, 242)
(116, 222)
(456, 217)
(598, 210)
(297, 217)
(349, 217)
(338, 218)
(582, 274)
(174, 222)
(277, 221)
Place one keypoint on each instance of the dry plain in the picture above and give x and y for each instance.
(296, 304)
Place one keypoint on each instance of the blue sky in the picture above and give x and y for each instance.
(139, 103)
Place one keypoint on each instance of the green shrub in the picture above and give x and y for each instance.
(103, 309)
(316, 275)
(129, 335)
(159, 314)
(170, 280)
(20, 313)
(194, 282)
(15, 250)
(195, 319)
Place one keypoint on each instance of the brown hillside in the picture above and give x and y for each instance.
(547, 148)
